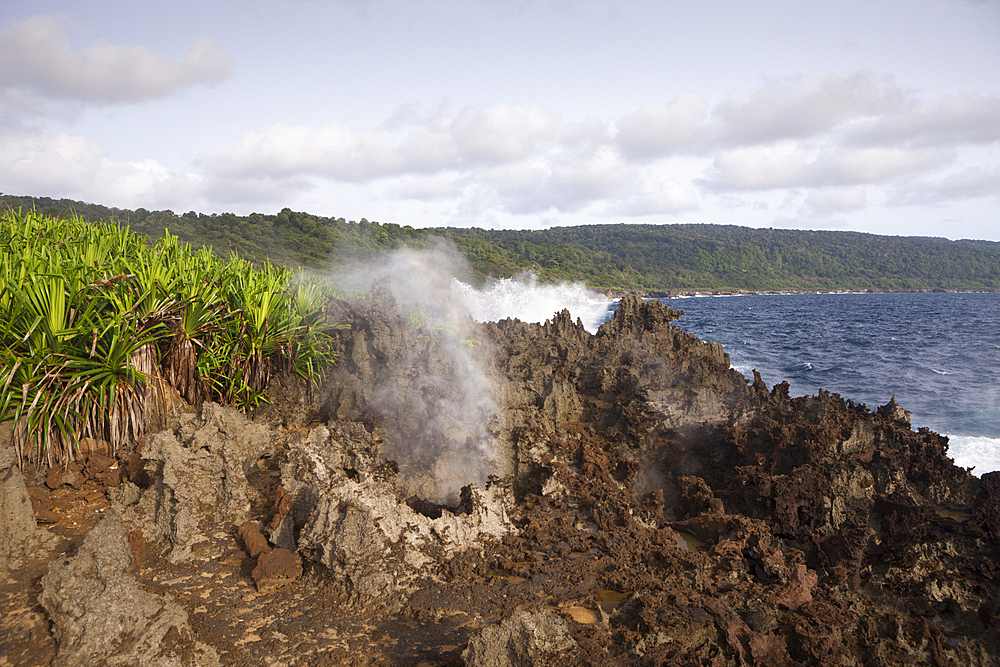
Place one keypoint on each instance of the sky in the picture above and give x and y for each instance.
(877, 116)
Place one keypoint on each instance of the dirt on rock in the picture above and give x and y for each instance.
(641, 504)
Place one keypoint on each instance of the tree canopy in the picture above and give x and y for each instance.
(613, 256)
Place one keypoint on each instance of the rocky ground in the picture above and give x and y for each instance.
(509, 494)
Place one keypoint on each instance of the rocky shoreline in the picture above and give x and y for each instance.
(509, 494)
(680, 293)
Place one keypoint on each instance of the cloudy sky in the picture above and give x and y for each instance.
(880, 115)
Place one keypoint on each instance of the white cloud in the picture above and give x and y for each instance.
(563, 182)
(803, 107)
(655, 197)
(968, 183)
(807, 132)
(333, 151)
(875, 165)
(149, 184)
(834, 144)
(426, 188)
(944, 121)
(843, 131)
(595, 176)
(36, 55)
(836, 200)
(248, 192)
(494, 135)
(470, 138)
(40, 162)
(791, 164)
(61, 165)
(784, 164)
(657, 130)
(530, 158)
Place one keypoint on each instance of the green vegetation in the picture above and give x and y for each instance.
(724, 257)
(102, 309)
(656, 257)
(95, 323)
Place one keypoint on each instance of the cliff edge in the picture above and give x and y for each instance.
(533, 494)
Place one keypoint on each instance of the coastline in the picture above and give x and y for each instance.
(687, 293)
(797, 497)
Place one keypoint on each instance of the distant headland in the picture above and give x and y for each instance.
(668, 259)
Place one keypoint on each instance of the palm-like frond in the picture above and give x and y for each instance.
(87, 309)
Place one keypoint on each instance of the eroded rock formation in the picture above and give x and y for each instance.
(198, 478)
(101, 616)
(356, 521)
(20, 536)
(623, 498)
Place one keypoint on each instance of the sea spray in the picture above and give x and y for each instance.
(523, 298)
(438, 413)
(432, 393)
(981, 454)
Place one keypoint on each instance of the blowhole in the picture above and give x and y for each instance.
(427, 508)
(433, 510)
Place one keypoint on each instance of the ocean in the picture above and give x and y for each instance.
(937, 353)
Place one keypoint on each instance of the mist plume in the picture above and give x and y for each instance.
(433, 394)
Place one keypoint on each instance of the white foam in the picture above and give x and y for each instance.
(525, 299)
(980, 453)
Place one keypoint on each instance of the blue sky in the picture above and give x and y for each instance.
(876, 116)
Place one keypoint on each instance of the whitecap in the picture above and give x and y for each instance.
(524, 298)
(980, 453)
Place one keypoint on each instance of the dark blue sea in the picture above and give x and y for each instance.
(938, 354)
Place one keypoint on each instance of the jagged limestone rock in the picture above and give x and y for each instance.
(199, 475)
(526, 639)
(365, 534)
(100, 615)
(20, 536)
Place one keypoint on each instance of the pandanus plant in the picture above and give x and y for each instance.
(87, 309)
(273, 331)
(74, 338)
(197, 319)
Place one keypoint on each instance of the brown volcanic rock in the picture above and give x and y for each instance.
(69, 474)
(804, 516)
(655, 509)
(636, 366)
(276, 568)
(100, 614)
(639, 383)
(254, 541)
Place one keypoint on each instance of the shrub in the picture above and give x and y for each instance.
(94, 324)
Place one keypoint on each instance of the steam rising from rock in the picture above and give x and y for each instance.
(431, 392)
(434, 397)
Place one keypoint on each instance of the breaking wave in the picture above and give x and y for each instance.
(524, 298)
(980, 453)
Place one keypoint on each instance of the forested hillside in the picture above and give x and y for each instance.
(655, 257)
